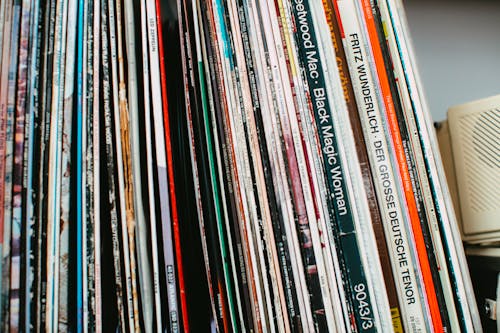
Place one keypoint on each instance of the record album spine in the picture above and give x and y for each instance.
(17, 172)
(54, 167)
(271, 306)
(178, 268)
(276, 242)
(411, 133)
(3, 26)
(83, 95)
(317, 268)
(80, 165)
(153, 14)
(66, 166)
(361, 148)
(408, 174)
(265, 260)
(314, 166)
(378, 148)
(4, 79)
(120, 126)
(464, 292)
(128, 229)
(110, 164)
(96, 153)
(41, 204)
(157, 325)
(211, 107)
(208, 229)
(239, 226)
(234, 103)
(343, 226)
(30, 165)
(289, 165)
(7, 167)
(90, 227)
(225, 158)
(144, 267)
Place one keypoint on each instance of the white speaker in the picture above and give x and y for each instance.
(475, 141)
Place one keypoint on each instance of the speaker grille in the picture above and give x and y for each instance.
(480, 140)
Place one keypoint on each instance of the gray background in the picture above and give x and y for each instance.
(457, 45)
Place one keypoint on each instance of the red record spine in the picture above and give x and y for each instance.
(170, 169)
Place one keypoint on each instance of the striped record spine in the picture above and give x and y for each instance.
(42, 177)
(144, 267)
(29, 195)
(260, 156)
(96, 111)
(214, 231)
(110, 165)
(286, 247)
(3, 6)
(8, 115)
(80, 215)
(295, 201)
(66, 166)
(220, 209)
(89, 228)
(4, 79)
(54, 167)
(246, 177)
(120, 120)
(232, 107)
(128, 229)
(17, 174)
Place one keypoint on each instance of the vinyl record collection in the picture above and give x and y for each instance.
(255, 166)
